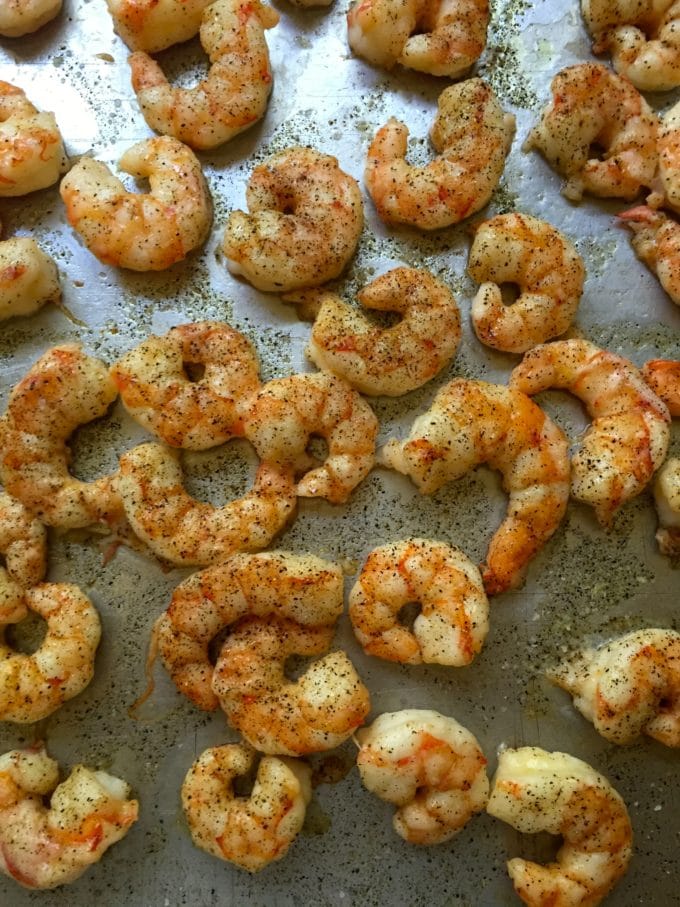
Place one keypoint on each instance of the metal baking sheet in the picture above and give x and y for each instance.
(586, 585)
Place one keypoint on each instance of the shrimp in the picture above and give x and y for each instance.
(156, 388)
(471, 135)
(23, 548)
(386, 361)
(304, 589)
(443, 38)
(306, 216)
(153, 25)
(253, 831)
(43, 847)
(593, 106)
(28, 278)
(187, 532)
(542, 262)
(288, 412)
(454, 620)
(656, 240)
(142, 232)
(663, 376)
(317, 712)
(428, 765)
(536, 791)
(235, 93)
(34, 686)
(23, 17)
(628, 438)
(64, 389)
(472, 422)
(668, 145)
(32, 153)
(667, 499)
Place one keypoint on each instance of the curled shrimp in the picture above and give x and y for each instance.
(472, 422)
(656, 241)
(32, 153)
(454, 619)
(545, 266)
(667, 499)
(23, 547)
(536, 791)
(140, 231)
(235, 93)
(253, 831)
(663, 376)
(471, 135)
(443, 38)
(317, 712)
(593, 106)
(43, 847)
(187, 532)
(156, 389)
(28, 278)
(306, 216)
(667, 188)
(153, 25)
(428, 765)
(628, 438)
(23, 17)
(303, 589)
(386, 361)
(64, 389)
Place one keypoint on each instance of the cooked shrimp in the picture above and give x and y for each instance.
(285, 415)
(628, 438)
(656, 240)
(23, 549)
(663, 376)
(428, 765)
(668, 145)
(667, 498)
(22, 17)
(454, 619)
(32, 153)
(387, 361)
(64, 389)
(303, 589)
(306, 216)
(471, 135)
(317, 712)
(443, 38)
(187, 532)
(153, 25)
(157, 391)
(545, 266)
(28, 278)
(536, 791)
(43, 847)
(34, 686)
(140, 231)
(248, 831)
(593, 106)
(472, 422)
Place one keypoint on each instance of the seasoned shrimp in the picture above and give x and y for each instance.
(235, 93)
(593, 106)
(43, 847)
(472, 422)
(429, 766)
(23, 548)
(471, 135)
(34, 686)
(187, 532)
(32, 153)
(22, 17)
(64, 389)
(663, 376)
(536, 791)
(317, 712)
(288, 412)
(628, 438)
(656, 240)
(386, 361)
(140, 231)
(443, 38)
(28, 278)
(306, 216)
(248, 831)
(454, 619)
(303, 589)
(545, 266)
(153, 25)
(667, 190)
(667, 499)
(157, 391)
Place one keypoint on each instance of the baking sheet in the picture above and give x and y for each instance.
(584, 586)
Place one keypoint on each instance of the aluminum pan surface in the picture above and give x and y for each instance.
(585, 585)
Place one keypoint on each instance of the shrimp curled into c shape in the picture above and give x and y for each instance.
(28, 278)
(23, 547)
(140, 231)
(23, 17)
(153, 25)
(536, 791)
(663, 376)
(656, 241)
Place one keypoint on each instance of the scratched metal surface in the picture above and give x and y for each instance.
(585, 585)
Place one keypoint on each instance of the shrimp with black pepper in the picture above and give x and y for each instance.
(28, 278)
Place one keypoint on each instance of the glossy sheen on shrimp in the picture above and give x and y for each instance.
(22, 17)
(28, 278)
(235, 92)
(23, 549)
(472, 422)
(153, 25)
(667, 499)
(663, 376)
(656, 241)
(140, 231)
(536, 791)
